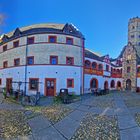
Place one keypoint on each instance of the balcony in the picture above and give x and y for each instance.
(116, 75)
(138, 74)
(93, 71)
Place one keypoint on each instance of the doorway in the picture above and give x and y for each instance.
(50, 86)
(8, 84)
(128, 84)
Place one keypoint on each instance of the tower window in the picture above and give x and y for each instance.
(132, 36)
(128, 69)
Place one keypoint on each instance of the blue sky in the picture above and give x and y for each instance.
(103, 22)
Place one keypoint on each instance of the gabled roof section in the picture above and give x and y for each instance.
(68, 29)
(92, 55)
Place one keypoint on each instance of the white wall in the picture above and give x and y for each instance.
(61, 73)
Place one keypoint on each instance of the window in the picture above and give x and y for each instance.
(16, 44)
(94, 65)
(128, 69)
(138, 69)
(107, 67)
(100, 67)
(5, 64)
(112, 84)
(30, 40)
(69, 60)
(54, 60)
(52, 39)
(33, 84)
(70, 83)
(87, 64)
(30, 60)
(4, 48)
(0, 81)
(16, 62)
(132, 36)
(69, 40)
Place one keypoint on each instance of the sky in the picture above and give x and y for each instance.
(104, 23)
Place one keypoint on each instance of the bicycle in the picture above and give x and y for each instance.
(32, 100)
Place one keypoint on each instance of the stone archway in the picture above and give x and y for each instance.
(119, 85)
(94, 83)
(106, 85)
(128, 84)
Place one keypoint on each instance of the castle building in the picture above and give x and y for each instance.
(48, 57)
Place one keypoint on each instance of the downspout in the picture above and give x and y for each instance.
(25, 78)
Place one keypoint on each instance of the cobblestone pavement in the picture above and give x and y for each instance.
(115, 116)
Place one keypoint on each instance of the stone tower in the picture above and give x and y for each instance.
(129, 66)
(134, 33)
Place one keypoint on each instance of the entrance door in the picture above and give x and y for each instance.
(50, 86)
(128, 84)
(8, 84)
(105, 85)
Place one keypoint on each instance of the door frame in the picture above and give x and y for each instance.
(45, 92)
(129, 83)
(6, 81)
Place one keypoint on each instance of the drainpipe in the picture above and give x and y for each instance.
(25, 78)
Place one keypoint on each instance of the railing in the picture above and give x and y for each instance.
(138, 74)
(116, 75)
(93, 71)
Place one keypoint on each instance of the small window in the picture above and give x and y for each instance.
(30, 60)
(107, 67)
(132, 36)
(52, 39)
(69, 60)
(100, 67)
(33, 84)
(69, 41)
(17, 62)
(53, 60)
(70, 83)
(94, 65)
(16, 44)
(87, 63)
(139, 43)
(0, 81)
(138, 69)
(128, 69)
(5, 64)
(4, 48)
(30, 40)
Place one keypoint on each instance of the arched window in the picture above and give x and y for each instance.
(118, 71)
(100, 67)
(87, 64)
(138, 69)
(118, 84)
(94, 65)
(114, 70)
(112, 85)
(94, 83)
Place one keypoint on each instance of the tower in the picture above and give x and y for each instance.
(134, 33)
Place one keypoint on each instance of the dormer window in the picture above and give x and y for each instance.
(52, 39)
(30, 40)
(69, 41)
(16, 44)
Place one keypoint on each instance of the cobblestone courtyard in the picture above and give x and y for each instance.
(115, 116)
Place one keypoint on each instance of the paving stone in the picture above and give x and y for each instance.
(67, 127)
(83, 108)
(38, 123)
(122, 111)
(49, 133)
(77, 115)
(130, 134)
(126, 122)
(96, 110)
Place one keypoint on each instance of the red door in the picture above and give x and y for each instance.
(8, 84)
(50, 86)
